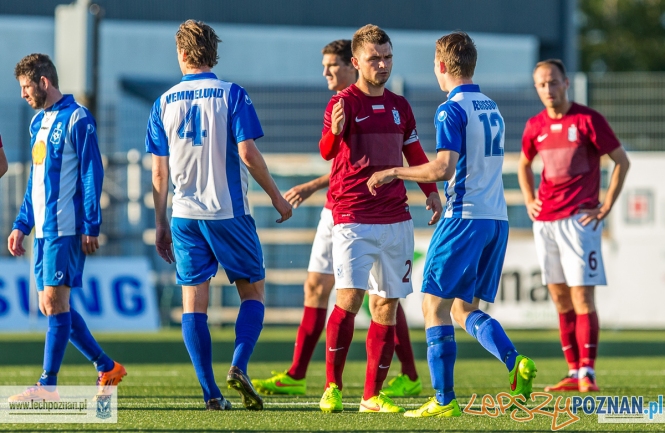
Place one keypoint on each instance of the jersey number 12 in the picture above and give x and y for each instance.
(492, 144)
(191, 127)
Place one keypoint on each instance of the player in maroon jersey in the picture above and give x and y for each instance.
(3, 160)
(567, 214)
(340, 74)
(367, 129)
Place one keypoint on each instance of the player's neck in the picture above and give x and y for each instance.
(52, 97)
(560, 111)
(452, 83)
(369, 89)
(189, 70)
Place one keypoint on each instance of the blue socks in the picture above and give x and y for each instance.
(57, 337)
(83, 340)
(492, 337)
(196, 334)
(441, 354)
(248, 328)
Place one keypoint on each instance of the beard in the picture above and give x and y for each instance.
(378, 82)
(38, 98)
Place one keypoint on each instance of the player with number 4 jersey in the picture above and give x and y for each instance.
(202, 130)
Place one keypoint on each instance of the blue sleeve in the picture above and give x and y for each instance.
(155, 137)
(450, 123)
(91, 172)
(25, 220)
(243, 120)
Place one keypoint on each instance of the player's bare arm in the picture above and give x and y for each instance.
(4, 166)
(621, 165)
(15, 243)
(257, 167)
(433, 203)
(302, 192)
(160, 194)
(527, 185)
(442, 168)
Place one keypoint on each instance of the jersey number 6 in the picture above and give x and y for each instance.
(492, 145)
(191, 127)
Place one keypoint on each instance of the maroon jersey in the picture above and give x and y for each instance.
(570, 148)
(376, 130)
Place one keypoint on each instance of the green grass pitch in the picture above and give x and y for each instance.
(157, 397)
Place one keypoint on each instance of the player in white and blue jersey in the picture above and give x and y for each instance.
(62, 205)
(466, 253)
(203, 130)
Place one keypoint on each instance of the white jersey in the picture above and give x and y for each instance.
(198, 123)
(470, 124)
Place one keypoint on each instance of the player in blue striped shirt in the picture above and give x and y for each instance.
(202, 130)
(62, 205)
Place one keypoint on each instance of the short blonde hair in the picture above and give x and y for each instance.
(199, 41)
(458, 52)
(369, 34)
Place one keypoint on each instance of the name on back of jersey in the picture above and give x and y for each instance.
(185, 95)
(487, 104)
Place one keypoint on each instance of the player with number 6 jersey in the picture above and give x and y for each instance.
(567, 215)
(202, 130)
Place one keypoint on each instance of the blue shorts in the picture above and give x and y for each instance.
(465, 259)
(58, 261)
(200, 245)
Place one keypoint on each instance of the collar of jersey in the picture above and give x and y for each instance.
(62, 103)
(201, 76)
(464, 88)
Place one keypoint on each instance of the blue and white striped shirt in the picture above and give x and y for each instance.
(65, 184)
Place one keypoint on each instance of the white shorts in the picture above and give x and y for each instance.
(320, 260)
(378, 255)
(569, 252)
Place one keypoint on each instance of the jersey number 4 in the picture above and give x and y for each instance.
(191, 127)
(492, 144)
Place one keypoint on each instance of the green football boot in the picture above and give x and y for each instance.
(521, 376)
(402, 386)
(380, 403)
(433, 408)
(280, 383)
(331, 401)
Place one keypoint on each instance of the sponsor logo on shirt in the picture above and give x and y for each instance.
(361, 119)
(443, 114)
(396, 117)
(247, 100)
(540, 138)
(59, 275)
(38, 153)
(91, 128)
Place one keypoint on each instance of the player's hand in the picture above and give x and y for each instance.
(434, 204)
(164, 243)
(337, 118)
(89, 244)
(284, 208)
(533, 208)
(298, 194)
(15, 243)
(380, 178)
(593, 216)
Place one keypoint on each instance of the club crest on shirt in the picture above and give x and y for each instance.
(396, 117)
(38, 153)
(572, 133)
(56, 135)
